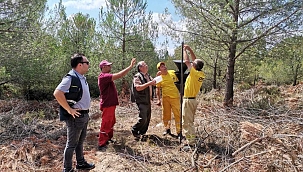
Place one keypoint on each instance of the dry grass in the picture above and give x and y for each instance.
(263, 132)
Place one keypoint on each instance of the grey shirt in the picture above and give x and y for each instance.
(84, 103)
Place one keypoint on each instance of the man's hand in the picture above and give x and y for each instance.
(133, 62)
(152, 82)
(186, 47)
(158, 103)
(74, 112)
(159, 73)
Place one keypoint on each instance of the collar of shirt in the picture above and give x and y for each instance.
(80, 76)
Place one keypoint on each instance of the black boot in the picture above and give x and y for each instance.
(166, 132)
(85, 166)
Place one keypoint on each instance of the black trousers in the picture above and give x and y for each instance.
(141, 126)
(76, 134)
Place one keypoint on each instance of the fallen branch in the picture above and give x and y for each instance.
(209, 162)
(257, 154)
(138, 159)
(248, 144)
(286, 135)
(195, 155)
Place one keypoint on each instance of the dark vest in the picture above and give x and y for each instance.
(74, 94)
(143, 96)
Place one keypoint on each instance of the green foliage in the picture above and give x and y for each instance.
(233, 28)
(93, 86)
(273, 73)
(77, 34)
(243, 86)
(3, 74)
(125, 24)
(263, 98)
(22, 43)
(129, 31)
(250, 63)
(8, 91)
(283, 64)
(37, 43)
(213, 96)
(38, 93)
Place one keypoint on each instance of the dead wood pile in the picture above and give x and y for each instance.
(262, 132)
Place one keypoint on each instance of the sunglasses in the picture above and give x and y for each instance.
(85, 62)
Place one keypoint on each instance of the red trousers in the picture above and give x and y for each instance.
(107, 125)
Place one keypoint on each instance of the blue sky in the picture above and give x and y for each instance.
(92, 8)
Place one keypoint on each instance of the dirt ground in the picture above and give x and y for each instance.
(255, 135)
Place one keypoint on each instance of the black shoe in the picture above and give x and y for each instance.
(186, 147)
(144, 138)
(110, 141)
(180, 136)
(137, 137)
(166, 132)
(69, 170)
(85, 166)
(102, 148)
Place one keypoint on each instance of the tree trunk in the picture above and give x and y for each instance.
(229, 91)
(215, 74)
(296, 73)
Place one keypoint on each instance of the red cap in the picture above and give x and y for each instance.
(104, 63)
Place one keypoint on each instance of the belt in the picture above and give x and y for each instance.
(189, 97)
(83, 112)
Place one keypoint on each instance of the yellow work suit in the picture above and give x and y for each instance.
(170, 99)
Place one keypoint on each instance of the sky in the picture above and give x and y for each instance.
(92, 8)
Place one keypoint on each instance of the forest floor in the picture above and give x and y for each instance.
(262, 132)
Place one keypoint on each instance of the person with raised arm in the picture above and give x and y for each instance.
(192, 87)
(109, 100)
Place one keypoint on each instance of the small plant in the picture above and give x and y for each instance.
(30, 117)
(243, 86)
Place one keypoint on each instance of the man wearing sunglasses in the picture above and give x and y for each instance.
(75, 111)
